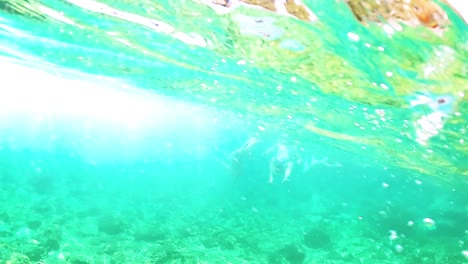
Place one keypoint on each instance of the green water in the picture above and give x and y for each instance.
(122, 132)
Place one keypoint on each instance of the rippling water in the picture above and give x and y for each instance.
(124, 121)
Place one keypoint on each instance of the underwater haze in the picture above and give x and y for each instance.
(189, 132)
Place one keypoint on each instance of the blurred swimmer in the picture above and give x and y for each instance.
(280, 163)
(309, 163)
(238, 156)
(429, 125)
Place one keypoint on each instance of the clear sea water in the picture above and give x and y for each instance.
(124, 131)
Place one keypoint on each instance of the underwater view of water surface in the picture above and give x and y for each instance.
(230, 132)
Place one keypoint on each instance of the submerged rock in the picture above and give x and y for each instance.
(4, 217)
(17, 258)
(291, 253)
(5, 233)
(209, 243)
(111, 225)
(316, 238)
(79, 259)
(51, 245)
(34, 224)
(227, 242)
(33, 252)
(149, 234)
(171, 255)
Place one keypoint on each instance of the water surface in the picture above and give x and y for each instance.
(122, 128)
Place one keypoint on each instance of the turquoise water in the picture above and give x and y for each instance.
(147, 134)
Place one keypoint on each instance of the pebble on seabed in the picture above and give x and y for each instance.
(428, 222)
(399, 248)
